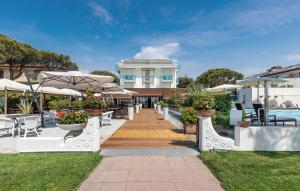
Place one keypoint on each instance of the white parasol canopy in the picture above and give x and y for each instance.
(47, 90)
(73, 79)
(120, 92)
(266, 83)
(71, 92)
(224, 87)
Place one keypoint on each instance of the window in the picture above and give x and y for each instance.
(128, 77)
(166, 77)
(148, 77)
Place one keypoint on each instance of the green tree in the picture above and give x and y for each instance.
(20, 54)
(106, 73)
(184, 81)
(219, 76)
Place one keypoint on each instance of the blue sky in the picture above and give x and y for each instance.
(248, 36)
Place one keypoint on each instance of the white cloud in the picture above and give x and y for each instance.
(100, 12)
(158, 52)
(293, 57)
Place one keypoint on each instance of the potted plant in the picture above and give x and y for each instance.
(244, 123)
(137, 108)
(189, 119)
(25, 106)
(130, 111)
(93, 106)
(158, 107)
(72, 120)
(204, 104)
(165, 110)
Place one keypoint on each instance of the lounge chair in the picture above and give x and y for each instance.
(260, 116)
(105, 118)
(8, 125)
(239, 106)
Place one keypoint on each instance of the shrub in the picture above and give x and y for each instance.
(58, 105)
(93, 103)
(163, 104)
(222, 119)
(203, 101)
(130, 105)
(188, 116)
(175, 99)
(25, 106)
(72, 117)
(222, 102)
(77, 104)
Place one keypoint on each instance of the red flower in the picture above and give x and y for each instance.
(58, 114)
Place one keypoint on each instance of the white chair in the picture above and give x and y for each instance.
(8, 125)
(29, 124)
(105, 118)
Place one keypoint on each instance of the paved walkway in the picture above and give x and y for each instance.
(152, 173)
(148, 130)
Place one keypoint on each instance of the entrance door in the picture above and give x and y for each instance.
(149, 102)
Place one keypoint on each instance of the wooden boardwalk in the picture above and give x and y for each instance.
(147, 130)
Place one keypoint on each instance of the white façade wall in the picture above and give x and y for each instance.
(267, 138)
(88, 140)
(278, 96)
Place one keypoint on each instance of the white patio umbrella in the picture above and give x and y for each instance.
(224, 87)
(70, 92)
(266, 83)
(9, 85)
(73, 79)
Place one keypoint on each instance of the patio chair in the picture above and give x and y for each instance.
(239, 106)
(8, 125)
(29, 124)
(105, 118)
(260, 116)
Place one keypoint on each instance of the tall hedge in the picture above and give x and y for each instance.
(222, 102)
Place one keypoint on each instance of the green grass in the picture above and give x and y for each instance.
(45, 171)
(255, 170)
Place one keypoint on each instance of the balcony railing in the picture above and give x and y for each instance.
(166, 78)
(129, 78)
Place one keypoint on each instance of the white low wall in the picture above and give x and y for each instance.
(88, 140)
(267, 138)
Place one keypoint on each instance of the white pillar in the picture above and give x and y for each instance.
(137, 108)
(166, 113)
(130, 113)
(158, 108)
(155, 106)
(141, 106)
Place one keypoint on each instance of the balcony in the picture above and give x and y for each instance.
(166, 78)
(129, 78)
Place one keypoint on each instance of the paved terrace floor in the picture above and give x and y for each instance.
(148, 130)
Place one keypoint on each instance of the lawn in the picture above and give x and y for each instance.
(255, 170)
(45, 171)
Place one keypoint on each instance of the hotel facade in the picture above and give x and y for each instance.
(153, 79)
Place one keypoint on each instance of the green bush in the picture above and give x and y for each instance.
(188, 116)
(163, 104)
(222, 101)
(204, 101)
(93, 103)
(58, 105)
(77, 104)
(222, 119)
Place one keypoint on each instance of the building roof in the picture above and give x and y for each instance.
(277, 71)
(164, 92)
(147, 61)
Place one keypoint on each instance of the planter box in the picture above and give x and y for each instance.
(94, 112)
(190, 129)
(130, 113)
(166, 113)
(72, 127)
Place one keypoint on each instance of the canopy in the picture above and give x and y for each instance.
(224, 87)
(122, 92)
(12, 85)
(73, 79)
(70, 92)
(47, 90)
(266, 82)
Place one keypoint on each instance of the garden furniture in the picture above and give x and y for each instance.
(29, 124)
(8, 125)
(105, 118)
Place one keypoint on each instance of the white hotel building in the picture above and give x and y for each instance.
(153, 79)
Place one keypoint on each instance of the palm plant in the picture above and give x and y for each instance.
(25, 106)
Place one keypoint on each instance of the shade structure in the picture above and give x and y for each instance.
(9, 85)
(73, 79)
(47, 90)
(266, 83)
(224, 87)
(122, 92)
(70, 92)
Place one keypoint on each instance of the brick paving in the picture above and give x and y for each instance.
(153, 173)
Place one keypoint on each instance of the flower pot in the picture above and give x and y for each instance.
(189, 128)
(130, 113)
(137, 108)
(166, 113)
(206, 113)
(155, 105)
(244, 123)
(158, 108)
(72, 127)
(94, 112)
(141, 106)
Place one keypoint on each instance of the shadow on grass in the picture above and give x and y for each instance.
(274, 154)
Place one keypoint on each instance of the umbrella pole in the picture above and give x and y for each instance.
(5, 100)
(41, 101)
(266, 104)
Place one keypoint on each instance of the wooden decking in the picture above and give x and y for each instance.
(147, 130)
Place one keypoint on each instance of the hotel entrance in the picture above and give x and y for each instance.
(148, 101)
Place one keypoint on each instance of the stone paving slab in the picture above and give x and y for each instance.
(153, 173)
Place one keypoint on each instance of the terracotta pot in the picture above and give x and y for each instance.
(244, 123)
(94, 112)
(72, 127)
(206, 113)
(189, 128)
